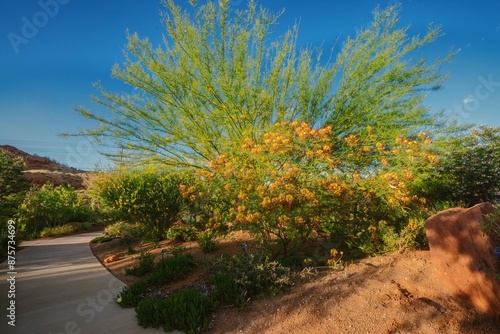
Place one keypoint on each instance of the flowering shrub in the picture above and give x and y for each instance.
(294, 184)
(371, 192)
(269, 187)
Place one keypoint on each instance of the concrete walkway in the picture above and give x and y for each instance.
(60, 287)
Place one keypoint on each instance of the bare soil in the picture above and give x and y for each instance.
(389, 294)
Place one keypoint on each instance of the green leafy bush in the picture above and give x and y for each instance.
(491, 226)
(470, 172)
(130, 296)
(172, 268)
(145, 266)
(226, 291)
(51, 206)
(182, 232)
(60, 230)
(13, 187)
(410, 237)
(151, 311)
(121, 229)
(254, 275)
(207, 241)
(150, 198)
(188, 310)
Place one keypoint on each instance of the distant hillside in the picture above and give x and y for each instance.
(40, 170)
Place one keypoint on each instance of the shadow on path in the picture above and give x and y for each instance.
(60, 287)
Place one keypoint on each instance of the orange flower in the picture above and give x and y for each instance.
(242, 196)
(352, 140)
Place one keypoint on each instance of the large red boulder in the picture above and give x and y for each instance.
(463, 256)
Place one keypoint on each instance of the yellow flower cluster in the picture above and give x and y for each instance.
(272, 180)
(333, 186)
(352, 140)
(293, 137)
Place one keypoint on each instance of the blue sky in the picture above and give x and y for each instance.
(51, 51)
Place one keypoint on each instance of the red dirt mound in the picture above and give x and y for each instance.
(41, 170)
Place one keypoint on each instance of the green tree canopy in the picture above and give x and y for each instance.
(471, 169)
(221, 76)
(13, 186)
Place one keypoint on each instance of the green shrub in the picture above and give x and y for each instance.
(469, 171)
(145, 266)
(226, 290)
(411, 236)
(150, 312)
(60, 230)
(13, 187)
(188, 310)
(100, 239)
(130, 296)
(254, 275)
(51, 206)
(150, 198)
(86, 226)
(121, 229)
(182, 232)
(491, 226)
(207, 241)
(172, 268)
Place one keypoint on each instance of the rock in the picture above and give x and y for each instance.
(463, 256)
(112, 258)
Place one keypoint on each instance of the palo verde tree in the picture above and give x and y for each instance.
(216, 80)
(378, 84)
(222, 75)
